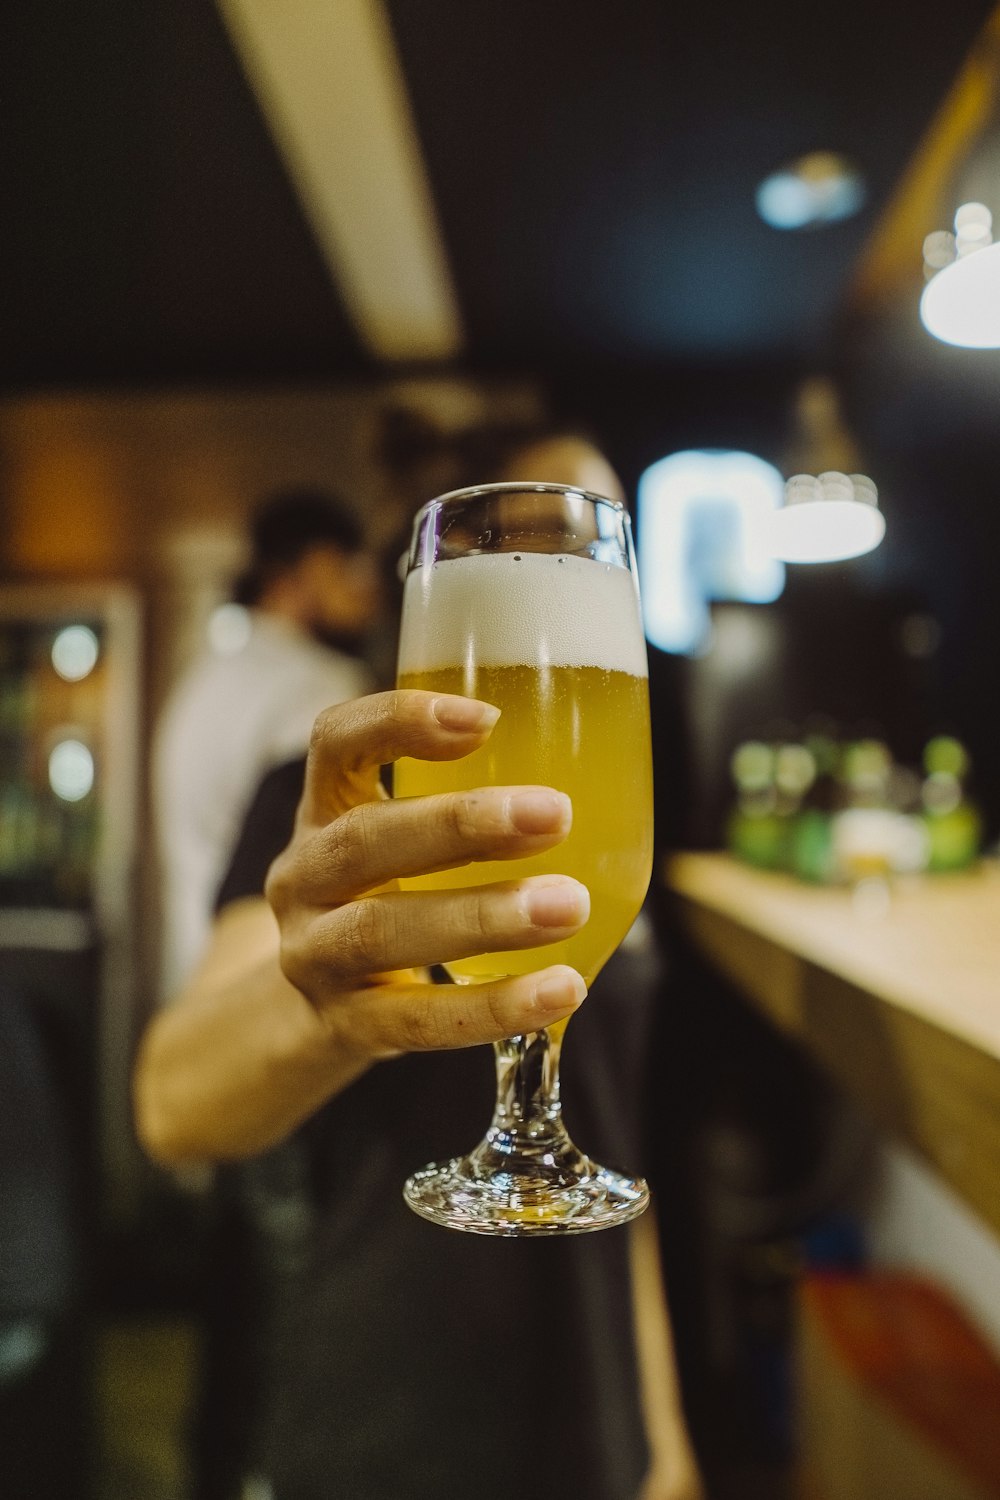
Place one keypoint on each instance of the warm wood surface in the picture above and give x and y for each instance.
(901, 1001)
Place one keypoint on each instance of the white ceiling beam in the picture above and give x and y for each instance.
(330, 84)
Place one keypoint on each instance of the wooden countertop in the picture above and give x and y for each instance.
(900, 998)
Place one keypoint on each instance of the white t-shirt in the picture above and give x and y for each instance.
(230, 719)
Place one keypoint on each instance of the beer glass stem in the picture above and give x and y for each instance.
(527, 1141)
(526, 1176)
(527, 1086)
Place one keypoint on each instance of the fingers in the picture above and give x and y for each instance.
(351, 741)
(415, 929)
(424, 1018)
(338, 928)
(381, 841)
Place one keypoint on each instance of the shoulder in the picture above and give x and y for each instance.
(315, 680)
(267, 827)
(330, 671)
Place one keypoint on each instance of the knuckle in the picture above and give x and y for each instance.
(395, 711)
(313, 956)
(337, 859)
(346, 842)
(495, 1009)
(466, 817)
(336, 729)
(397, 703)
(364, 826)
(365, 935)
(278, 883)
(295, 961)
(326, 727)
(421, 1028)
(495, 914)
(338, 856)
(288, 962)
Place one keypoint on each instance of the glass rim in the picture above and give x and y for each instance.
(517, 487)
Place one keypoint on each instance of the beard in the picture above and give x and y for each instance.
(340, 638)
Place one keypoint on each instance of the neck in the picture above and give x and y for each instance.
(286, 606)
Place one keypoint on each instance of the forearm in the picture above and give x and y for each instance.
(673, 1468)
(239, 1059)
(243, 1055)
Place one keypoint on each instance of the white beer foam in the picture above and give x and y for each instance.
(522, 608)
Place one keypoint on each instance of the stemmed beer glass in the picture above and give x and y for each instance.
(525, 596)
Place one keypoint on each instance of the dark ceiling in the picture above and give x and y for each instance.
(593, 167)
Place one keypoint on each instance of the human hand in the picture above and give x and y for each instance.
(351, 940)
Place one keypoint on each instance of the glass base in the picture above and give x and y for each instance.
(543, 1192)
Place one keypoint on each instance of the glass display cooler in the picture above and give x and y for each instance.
(69, 788)
(69, 779)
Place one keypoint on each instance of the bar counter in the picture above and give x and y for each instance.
(900, 998)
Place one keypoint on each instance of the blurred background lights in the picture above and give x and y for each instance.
(74, 652)
(228, 629)
(71, 770)
(961, 301)
(702, 537)
(752, 766)
(828, 518)
(813, 190)
(946, 756)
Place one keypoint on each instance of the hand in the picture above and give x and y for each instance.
(351, 940)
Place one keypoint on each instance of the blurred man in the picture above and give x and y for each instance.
(393, 1358)
(628, 986)
(309, 1048)
(311, 592)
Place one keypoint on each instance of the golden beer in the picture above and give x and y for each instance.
(577, 720)
(524, 596)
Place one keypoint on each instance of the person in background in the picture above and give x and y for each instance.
(627, 991)
(310, 1052)
(561, 457)
(311, 591)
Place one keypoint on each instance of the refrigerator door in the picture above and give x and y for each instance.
(69, 791)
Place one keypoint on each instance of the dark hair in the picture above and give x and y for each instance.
(285, 527)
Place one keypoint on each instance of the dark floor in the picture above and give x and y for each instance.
(145, 1376)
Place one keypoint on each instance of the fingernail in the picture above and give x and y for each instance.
(539, 812)
(563, 905)
(464, 715)
(561, 992)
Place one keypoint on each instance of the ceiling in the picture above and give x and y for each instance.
(592, 168)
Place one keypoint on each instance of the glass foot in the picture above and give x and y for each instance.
(483, 1197)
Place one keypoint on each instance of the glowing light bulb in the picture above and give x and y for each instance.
(816, 189)
(74, 652)
(973, 218)
(71, 770)
(829, 518)
(961, 302)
